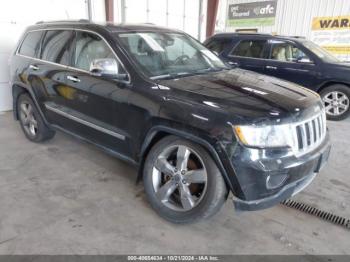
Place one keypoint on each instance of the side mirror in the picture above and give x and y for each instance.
(106, 67)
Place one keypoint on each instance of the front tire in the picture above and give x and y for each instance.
(336, 99)
(31, 121)
(182, 182)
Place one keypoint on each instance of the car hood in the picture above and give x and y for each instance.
(243, 93)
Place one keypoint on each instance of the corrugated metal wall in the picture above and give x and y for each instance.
(294, 17)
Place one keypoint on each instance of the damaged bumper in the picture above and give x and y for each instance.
(290, 175)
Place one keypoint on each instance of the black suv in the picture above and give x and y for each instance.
(159, 99)
(290, 58)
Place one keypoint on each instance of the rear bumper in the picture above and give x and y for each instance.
(300, 174)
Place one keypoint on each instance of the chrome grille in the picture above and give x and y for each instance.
(310, 133)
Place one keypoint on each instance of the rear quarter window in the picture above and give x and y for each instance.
(31, 44)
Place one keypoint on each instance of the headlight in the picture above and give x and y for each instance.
(266, 136)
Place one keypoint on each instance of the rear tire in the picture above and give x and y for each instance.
(31, 121)
(336, 99)
(180, 190)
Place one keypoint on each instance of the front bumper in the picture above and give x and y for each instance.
(252, 175)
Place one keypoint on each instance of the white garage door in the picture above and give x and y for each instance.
(15, 15)
(178, 14)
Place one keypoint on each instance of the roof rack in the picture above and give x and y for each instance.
(64, 21)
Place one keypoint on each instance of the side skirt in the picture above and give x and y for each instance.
(102, 148)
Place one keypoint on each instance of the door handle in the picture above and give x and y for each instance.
(34, 67)
(73, 78)
(233, 63)
(271, 67)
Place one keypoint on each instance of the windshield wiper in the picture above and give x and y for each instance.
(171, 75)
(189, 73)
(209, 69)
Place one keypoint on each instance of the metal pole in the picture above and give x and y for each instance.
(212, 10)
(167, 13)
(109, 10)
(122, 11)
(200, 19)
(89, 10)
(184, 17)
(147, 11)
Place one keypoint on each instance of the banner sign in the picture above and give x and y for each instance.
(331, 23)
(333, 34)
(252, 14)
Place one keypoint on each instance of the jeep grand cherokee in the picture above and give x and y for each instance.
(158, 99)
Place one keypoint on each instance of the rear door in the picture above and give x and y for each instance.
(289, 62)
(53, 65)
(48, 68)
(249, 54)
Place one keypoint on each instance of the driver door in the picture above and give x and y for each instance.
(93, 104)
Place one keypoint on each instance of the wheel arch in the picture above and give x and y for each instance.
(17, 90)
(331, 83)
(156, 133)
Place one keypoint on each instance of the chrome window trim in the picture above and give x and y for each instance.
(272, 60)
(44, 61)
(66, 66)
(84, 122)
(248, 57)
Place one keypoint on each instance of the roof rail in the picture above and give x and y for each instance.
(291, 36)
(242, 33)
(64, 21)
(252, 33)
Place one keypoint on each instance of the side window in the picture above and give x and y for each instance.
(250, 48)
(56, 46)
(31, 44)
(218, 45)
(287, 52)
(88, 48)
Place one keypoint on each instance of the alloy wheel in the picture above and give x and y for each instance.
(179, 178)
(28, 119)
(336, 103)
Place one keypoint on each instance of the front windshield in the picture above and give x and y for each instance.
(322, 53)
(168, 54)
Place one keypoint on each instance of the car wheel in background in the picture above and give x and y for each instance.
(336, 99)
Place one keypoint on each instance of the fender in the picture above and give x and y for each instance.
(231, 181)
